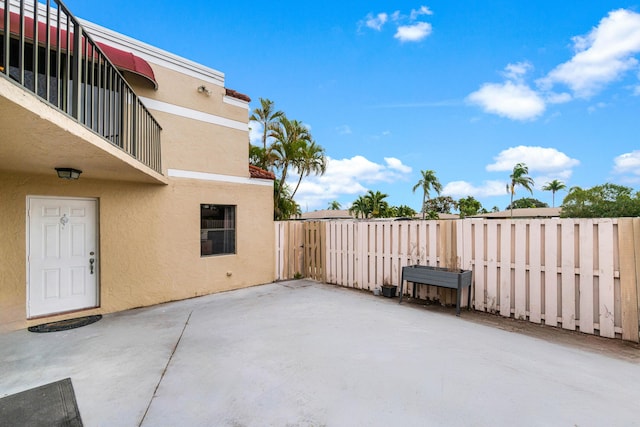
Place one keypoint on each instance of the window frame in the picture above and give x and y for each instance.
(215, 220)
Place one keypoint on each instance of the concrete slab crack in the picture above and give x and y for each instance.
(164, 371)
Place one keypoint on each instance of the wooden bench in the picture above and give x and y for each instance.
(438, 276)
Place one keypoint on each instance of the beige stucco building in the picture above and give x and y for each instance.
(165, 208)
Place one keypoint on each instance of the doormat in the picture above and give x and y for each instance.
(63, 325)
(52, 404)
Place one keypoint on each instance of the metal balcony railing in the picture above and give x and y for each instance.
(46, 50)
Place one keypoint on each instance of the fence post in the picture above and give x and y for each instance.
(448, 255)
(279, 257)
(323, 252)
(363, 255)
(628, 235)
(463, 228)
(308, 249)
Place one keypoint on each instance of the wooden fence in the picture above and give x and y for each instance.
(578, 274)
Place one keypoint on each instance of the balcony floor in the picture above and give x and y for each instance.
(305, 354)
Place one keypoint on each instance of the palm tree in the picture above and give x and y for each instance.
(433, 215)
(334, 206)
(554, 186)
(519, 177)
(404, 211)
(360, 207)
(291, 137)
(260, 157)
(267, 117)
(285, 206)
(376, 203)
(311, 160)
(428, 182)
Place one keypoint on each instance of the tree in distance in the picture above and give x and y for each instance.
(527, 202)
(334, 205)
(519, 177)
(554, 186)
(601, 201)
(441, 204)
(469, 206)
(427, 182)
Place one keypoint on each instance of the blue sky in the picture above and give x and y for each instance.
(466, 88)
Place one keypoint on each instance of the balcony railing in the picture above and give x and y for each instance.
(46, 50)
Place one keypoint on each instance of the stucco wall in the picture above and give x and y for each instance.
(149, 241)
(193, 145)
(190, 141)
(181, 89)
(149, 234)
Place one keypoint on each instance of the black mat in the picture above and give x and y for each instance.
(63, 325)
(50, 405)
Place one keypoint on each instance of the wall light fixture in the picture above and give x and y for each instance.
(68, 173)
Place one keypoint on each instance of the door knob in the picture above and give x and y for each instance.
(91, 261)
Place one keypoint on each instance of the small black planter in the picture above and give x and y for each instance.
(389, 291)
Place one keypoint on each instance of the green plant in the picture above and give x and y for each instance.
(527, 202)
(554, 186)
(602, 201)
(519, 177)
(427, 182)
(469, 206)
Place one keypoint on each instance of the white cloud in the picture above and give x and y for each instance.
(512, 99)
(602, 56)
(548, 161)
(515, 101)
(376, 22)
(423, 10)
(627, 163)
(346, 177)
(557, 98)
(414, 32)
(408, 29)
(464, 189)
(255, 133)
(396, 164)
(516, 72)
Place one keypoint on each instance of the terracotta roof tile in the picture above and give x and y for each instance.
(257, 172)
(235, 94)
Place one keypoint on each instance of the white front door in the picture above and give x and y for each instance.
(62, 255)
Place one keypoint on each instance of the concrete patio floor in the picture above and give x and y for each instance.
(305, 354)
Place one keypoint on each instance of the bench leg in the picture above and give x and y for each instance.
(458, 297)
(401, 285)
